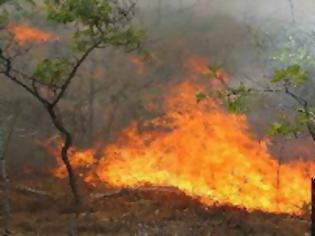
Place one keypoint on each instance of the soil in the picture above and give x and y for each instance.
(144, 212)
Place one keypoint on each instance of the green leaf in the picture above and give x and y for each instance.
(200, 96)
(51, 71)
(235, 98)
(283, 128)
(279, 75)
(4, 18)
(293, 73)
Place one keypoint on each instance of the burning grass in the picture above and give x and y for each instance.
(205, 152)
(226, 181)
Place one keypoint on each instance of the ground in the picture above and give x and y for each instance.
(145, 211)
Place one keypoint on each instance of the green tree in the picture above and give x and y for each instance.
(291, 59)
(92, 25)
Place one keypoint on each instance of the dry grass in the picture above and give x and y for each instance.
(148, 213)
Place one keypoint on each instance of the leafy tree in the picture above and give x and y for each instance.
(292, 62)
(92, 24)
(290, 81)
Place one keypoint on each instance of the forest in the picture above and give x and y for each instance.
(157, 117)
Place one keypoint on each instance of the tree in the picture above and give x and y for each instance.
(292, 63)
(93, 25)
(5, 140)
(291, 3)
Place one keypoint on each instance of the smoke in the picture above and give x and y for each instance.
(240, 35)
(243, 36)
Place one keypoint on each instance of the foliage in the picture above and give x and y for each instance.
(3, 19)
(95, 20)
(200, 96)
(235, 98)
(293, 60)
(94, 24)
(295, 47)
(51, 71)
(91, 25)
(293, 74)
(284, 128)
(17, 3)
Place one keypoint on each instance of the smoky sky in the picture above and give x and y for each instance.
(222, 31)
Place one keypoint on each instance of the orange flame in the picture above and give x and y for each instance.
(210, 155)
(24, 33)
(81, 160)
(138, 62)
(197, 64)
(207, 153)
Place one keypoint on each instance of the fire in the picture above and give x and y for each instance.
(209, 154)
(80, 160)
(197, 65)
(24, 33)
(138, 63)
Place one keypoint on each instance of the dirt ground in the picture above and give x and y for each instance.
(145, 212)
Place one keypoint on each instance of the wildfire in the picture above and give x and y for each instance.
(24, 33)
(138, 63)
(81, 160)
(205, 152)
(197, 65)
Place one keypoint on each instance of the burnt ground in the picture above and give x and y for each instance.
(146, 211)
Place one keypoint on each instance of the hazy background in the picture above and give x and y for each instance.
(241, 35)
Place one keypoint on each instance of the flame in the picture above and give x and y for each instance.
(209, 154)
(24, 33)
(138, 62)
(197, 64)
(80, 159)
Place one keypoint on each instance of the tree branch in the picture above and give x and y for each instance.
(8, 73)
(73, 72)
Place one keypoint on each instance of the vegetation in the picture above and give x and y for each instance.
(94, 25)
(83, 74)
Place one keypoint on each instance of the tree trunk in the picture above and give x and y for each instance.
(159, 12)
(313, 207)
(66, 135)
(6, 181)
(91, 111)
(65, 158)
(6, 199)
(291, 3)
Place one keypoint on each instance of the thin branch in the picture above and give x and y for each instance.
(73, 72)
(8, 73)
(300, 100)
